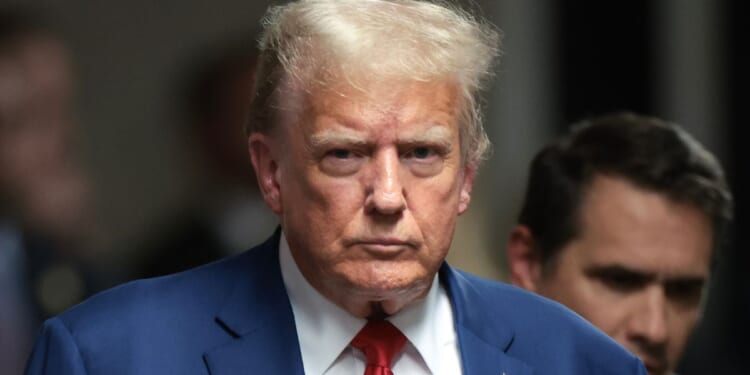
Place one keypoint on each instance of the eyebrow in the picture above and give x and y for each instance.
(333, 137)
(641, 276)
(439, 135)
(434, 135)
(620, 271)
(686, 280)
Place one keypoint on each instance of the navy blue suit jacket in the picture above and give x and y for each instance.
(234, 317)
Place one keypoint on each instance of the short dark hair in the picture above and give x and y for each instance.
(650, 153)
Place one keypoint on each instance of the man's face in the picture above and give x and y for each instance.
(637, 270)
(368, 184)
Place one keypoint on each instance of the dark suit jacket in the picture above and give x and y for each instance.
(234, 317)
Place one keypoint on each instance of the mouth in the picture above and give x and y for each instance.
(383, 247)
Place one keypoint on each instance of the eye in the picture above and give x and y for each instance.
(688, 292)
(424, 161)
(422, 152)
(623, 282)
(340, 153)
(341, 162)
(619, 279)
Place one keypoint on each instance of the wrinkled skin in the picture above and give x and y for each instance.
(368, 185)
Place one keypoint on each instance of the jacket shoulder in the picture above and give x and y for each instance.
(546, 333)
(149, 299)
(166, 323)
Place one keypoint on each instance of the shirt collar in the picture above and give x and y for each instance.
(325, 330)
(428, 325)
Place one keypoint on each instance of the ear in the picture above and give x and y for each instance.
(266, 170)
(523, 259)
(466, 186)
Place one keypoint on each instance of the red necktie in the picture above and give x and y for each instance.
(380, 341)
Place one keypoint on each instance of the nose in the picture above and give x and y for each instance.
(385, 194)
(648, 324)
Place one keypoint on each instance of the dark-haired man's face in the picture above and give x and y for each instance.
(637, 270)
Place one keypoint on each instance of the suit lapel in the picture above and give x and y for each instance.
(483, 337)
(258, 319)
(262, 337)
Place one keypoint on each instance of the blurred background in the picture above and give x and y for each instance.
(121, 153)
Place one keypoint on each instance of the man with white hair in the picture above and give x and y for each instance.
(365, 138)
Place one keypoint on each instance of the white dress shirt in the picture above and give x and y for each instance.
(326, 330)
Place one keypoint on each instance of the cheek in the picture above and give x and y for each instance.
(681, 323)
(602, 308)
(432, 195)
(435, 211)
(680, 328)
(304, 184)
(573, 289)
(322, 205)
(336, 199)
(609, 317)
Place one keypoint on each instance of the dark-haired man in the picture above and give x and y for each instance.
(621, 222)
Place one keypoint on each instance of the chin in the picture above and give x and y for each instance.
(380, 286)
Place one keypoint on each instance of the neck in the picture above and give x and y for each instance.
(368, 306)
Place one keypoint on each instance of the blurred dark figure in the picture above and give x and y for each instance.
(227, 214)
(43, 193)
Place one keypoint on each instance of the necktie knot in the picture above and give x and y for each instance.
(380, 341)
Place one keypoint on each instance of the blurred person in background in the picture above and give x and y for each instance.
(43, 192)
(622, 222)
(226, 213)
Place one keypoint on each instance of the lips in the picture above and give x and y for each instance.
(383, 247)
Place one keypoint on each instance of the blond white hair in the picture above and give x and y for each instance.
(314, 41)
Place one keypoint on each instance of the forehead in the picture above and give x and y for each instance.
(621, 224)
(380, 103)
